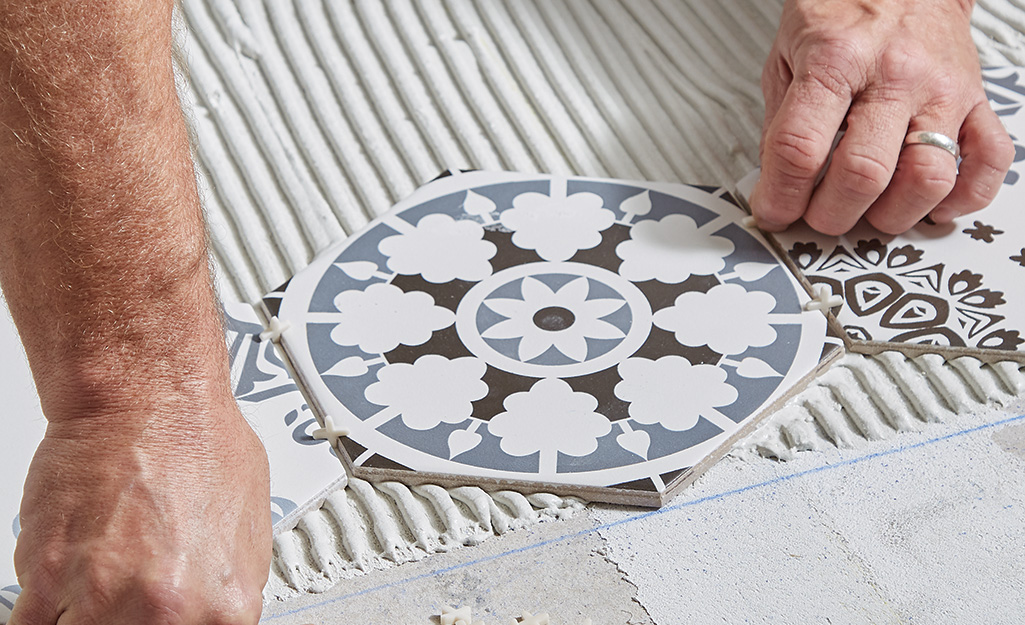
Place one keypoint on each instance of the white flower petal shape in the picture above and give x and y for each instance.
(573, 293)
(359, 270)
(671, 250)
(637, 442)
(728, 318)
(544, 317)
(516, 326)
(572, 344)
(478, 205)
(672, 392)
(751, 271)
(441, 249)
(381, 317)
(756, 368)
(598, 329)
(550, 417)
(598, 308)
(350, 367)
(557, 228)
(637, 205)
(431, 391)
(512, 308)
(533, 344)
(539, 293)
(462, 441)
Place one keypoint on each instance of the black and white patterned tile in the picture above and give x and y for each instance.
(952, 288)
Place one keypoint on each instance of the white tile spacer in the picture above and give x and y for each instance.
(749, 222)
(823, 300)
(331, 432)
(456, 616)
(530, 619)
(276, 329)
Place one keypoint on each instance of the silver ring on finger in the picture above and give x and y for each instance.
(927, 137)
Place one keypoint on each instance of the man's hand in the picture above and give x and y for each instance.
(882, 69)
(158, 524)
(148, 500)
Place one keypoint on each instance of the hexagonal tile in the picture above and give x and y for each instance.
(594, 337)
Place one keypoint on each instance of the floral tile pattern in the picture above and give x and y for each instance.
(956, 288)
(597, 337)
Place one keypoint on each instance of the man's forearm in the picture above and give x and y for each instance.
(102, 249)
(147, 500)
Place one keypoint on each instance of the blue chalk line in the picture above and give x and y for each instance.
(652, 513)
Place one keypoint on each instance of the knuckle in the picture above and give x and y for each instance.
(930, 181)
(999, 154)
(975, 201)
(798, 155)
(901, 64)
(835, 80)
(837, 64)
(945, 93)
(977, 196)
(165, 601)
(863, 175)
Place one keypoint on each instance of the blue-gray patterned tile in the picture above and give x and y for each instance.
(595, 337)
(303, 469)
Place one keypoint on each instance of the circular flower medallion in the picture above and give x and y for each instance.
(561, 319)
(582, 332)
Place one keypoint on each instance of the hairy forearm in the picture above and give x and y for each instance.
(102, 251)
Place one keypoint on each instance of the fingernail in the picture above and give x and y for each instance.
(945, 214)
(763, 224)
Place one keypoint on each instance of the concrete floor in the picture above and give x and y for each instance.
(924, 528)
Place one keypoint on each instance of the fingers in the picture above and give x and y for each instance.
(925, 174)
(776, 79)
(987, 153)
(872, 174)
(796, 146)
(862, 165)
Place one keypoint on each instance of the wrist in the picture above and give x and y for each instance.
(165, 353)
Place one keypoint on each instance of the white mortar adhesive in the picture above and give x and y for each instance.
(311, 117)
(370, 526)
